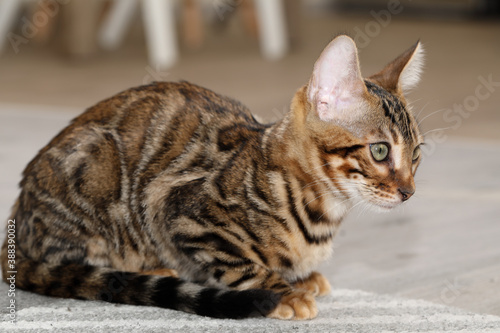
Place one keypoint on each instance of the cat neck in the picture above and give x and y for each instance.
(288, 149)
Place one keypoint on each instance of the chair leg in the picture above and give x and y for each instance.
(272, 28)
(159, 23)
(8, 12)
(116, 23)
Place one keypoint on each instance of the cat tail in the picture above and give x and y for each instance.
(105, 284)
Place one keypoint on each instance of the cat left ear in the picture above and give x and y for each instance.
(403, 73)
(336, 85)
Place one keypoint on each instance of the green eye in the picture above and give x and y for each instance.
(379, 151)
(416, 154)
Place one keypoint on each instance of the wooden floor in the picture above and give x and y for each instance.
(443, 246)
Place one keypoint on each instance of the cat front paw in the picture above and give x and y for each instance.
(298, 305)
(316, 284)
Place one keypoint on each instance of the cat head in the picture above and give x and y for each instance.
(365, 137)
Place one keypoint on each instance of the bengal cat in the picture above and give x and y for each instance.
(171, 195)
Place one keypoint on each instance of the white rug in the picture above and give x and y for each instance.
(342, 311)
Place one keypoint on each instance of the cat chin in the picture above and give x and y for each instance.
(382, 207)
(375, 206)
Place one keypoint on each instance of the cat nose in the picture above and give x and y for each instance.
(406, 192)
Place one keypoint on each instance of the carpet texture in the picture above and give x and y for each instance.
(342, 311)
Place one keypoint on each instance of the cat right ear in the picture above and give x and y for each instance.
(403, 73)
(336, 85)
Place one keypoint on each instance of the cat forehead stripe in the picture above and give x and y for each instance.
(394, 110)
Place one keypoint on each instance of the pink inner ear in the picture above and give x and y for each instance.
(323, 113)
(336, 83)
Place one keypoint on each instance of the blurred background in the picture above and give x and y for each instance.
(73, 53)
(58, 57)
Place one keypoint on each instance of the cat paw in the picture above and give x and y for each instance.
(316, 284)
(298, 305)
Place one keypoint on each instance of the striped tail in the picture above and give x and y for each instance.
(105, 284)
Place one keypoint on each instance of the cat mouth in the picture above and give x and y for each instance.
(388, 206)
(385, 206)
(379, 203)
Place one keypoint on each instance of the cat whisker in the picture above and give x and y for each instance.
(364, 207)
(335, 188)
(322, 194)
(432, 113)
(317, 197)
(319, 181)
(415, 101)
(334, 207)
(437, 129)
(356, 204)
(421, 110)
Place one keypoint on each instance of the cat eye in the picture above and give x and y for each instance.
(416, 154)
(379, 151)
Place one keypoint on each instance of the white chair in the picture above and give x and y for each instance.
(159, 24)
(160, 27)
(273, 29)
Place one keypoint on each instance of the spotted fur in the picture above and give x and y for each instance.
(174, 196)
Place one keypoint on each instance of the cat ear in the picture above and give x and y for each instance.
(403, 73)
(336, 85)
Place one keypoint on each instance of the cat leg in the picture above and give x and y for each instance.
(219, 263)
(162, 272)
(316, 284)
(296, 304)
